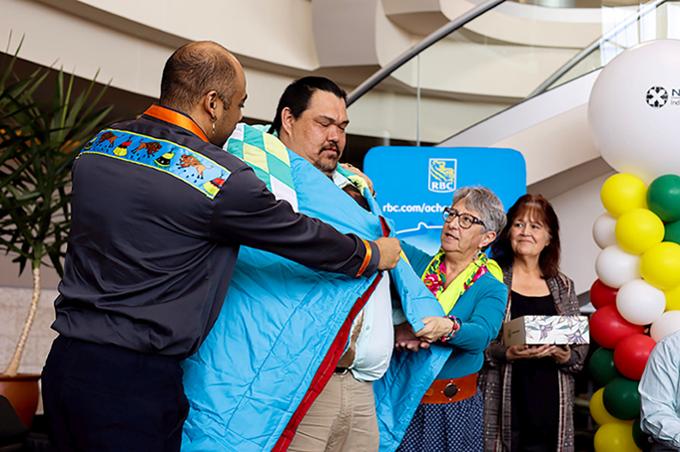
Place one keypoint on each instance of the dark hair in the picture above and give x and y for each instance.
(193, 70)
(540, 209)
(296, 97)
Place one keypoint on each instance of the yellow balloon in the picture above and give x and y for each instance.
(598, 411)
(623, 192)
(615, 437)
(673, 299)
(660, 265)
(638, 230)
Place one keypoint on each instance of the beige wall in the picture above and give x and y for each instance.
(278, 32)
(577, 210)
(14, 304)
(84, 39)
(9, 275)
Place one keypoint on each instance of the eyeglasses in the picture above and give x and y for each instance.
(465, 220)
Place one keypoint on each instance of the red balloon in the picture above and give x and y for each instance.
(631, 355)
(607, 327)
(602, 295)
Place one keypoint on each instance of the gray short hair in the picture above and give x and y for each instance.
(486, 204)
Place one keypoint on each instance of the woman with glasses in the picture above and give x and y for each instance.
(469, 287)
(540, 379)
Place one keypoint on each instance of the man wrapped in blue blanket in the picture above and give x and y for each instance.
(299, 350)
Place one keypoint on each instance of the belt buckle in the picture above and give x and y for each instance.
(451, 390)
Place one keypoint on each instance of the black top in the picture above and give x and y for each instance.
(150, 257)
(535, 388)
(521, 305)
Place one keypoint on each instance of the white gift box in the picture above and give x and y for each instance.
(547, 329)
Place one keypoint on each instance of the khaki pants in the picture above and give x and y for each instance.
(342, 418)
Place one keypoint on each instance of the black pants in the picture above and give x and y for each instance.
(106, 398)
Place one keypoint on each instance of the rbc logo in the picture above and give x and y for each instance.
(442, 175)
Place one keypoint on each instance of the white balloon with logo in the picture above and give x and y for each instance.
(634, 110)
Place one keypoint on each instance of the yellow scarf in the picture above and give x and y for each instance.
(434, 278)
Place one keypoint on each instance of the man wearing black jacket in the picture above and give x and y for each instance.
(159, 213)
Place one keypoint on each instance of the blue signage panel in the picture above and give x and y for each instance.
(415, 184)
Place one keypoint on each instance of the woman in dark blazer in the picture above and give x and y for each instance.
(539, 378)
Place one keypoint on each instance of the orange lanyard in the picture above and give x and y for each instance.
(178, 119)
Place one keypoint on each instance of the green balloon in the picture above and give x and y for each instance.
(601, 366)
(672, 232)
(622, 399)
(642, 440)
(663, 197)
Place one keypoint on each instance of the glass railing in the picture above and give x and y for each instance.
(653, 20)
(573, 3)
(508, 54)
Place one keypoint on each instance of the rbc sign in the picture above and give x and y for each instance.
(415, 184)
(441, 176)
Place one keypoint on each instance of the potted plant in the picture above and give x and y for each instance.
(38, 142)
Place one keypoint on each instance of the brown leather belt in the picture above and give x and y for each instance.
(451, 390)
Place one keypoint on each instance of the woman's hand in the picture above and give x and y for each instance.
(528, 351)
(359, 173)
(561, 354)
(435, 328)
(405, 339)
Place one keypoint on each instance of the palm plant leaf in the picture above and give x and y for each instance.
(38, 143)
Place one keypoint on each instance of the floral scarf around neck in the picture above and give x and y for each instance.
(434, 278)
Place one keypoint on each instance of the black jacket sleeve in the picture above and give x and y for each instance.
(246, 213)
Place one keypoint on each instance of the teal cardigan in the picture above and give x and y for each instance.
(480, 310)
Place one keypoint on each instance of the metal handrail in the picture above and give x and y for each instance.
(431, 39)
(580, 56)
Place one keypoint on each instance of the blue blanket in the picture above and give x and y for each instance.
(276, 339)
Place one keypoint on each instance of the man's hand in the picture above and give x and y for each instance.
(405, 339)
(435, 328)
(389, 252)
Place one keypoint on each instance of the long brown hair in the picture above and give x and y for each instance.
(541, 210)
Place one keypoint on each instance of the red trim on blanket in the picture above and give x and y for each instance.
(385, 227)
(325, 370)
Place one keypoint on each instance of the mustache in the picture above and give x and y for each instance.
(331, 147)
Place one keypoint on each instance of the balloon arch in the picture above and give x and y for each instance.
(634, 114)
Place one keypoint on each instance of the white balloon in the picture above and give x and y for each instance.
(669, 323)
(615, 267)
(640, 303)
(604, 231)
(634, 110)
